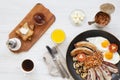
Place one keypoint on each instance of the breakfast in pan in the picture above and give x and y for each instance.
(95, 64)
(94, 55)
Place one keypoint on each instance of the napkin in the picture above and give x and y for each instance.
(51, 65)
(53, 70)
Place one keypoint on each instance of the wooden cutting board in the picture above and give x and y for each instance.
(38, 30)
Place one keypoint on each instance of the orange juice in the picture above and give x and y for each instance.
(58, 36)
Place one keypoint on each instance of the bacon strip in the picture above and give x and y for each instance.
(99, 74)
(91, 74)
(111, 67)
(106, 73)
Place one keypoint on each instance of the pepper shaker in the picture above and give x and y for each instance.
(14, 44)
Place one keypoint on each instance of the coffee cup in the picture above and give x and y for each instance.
(27, 65)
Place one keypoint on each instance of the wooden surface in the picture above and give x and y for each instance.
(39, 30)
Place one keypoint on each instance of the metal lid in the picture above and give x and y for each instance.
(14, 44)
(107, 7)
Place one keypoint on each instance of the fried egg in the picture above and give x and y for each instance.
(111, 57)
(100, 42)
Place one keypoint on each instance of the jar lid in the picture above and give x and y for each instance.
(107, 7)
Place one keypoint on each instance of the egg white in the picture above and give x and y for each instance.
(97, 42)
(115, 59)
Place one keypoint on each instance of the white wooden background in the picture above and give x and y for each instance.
(13, 11)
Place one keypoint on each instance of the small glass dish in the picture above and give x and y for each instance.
(58, 36)
(77, 17)
(39, 18)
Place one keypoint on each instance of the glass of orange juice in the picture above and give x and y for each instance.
(58, 36)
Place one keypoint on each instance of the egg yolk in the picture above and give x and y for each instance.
(108, 55)
(105, 43)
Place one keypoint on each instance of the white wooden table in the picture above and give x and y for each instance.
(13, 11)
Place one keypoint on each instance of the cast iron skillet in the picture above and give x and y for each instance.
(83, 36)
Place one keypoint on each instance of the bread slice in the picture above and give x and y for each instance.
(25, 32)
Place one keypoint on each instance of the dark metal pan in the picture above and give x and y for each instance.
(83, 36)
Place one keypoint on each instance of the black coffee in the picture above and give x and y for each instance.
(27, 65)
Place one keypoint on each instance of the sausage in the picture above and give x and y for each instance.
(79, 50)
(86, 44)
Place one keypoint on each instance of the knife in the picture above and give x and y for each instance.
(55, 61)
(60, 63)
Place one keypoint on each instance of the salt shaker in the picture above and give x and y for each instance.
(14, 44)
